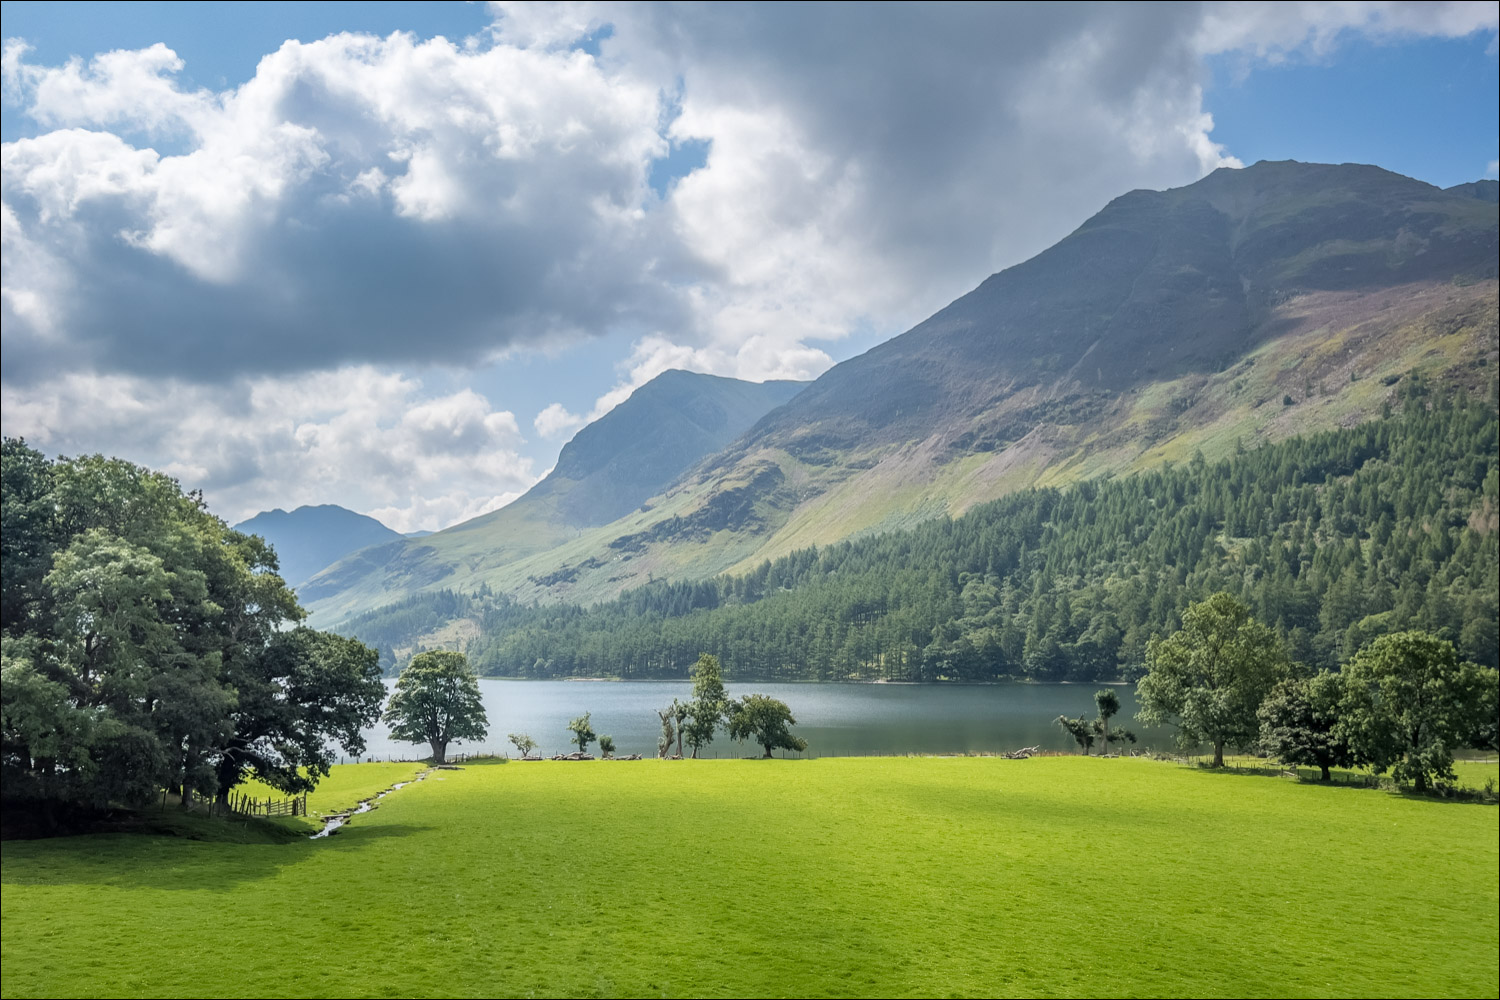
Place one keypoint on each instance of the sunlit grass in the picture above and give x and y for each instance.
(847, 877)
(345, 786)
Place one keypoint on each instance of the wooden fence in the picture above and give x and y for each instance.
(245, 805)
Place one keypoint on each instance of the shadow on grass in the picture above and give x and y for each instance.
(1363, 783)
(142, 861)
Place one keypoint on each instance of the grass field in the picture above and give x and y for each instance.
(928, 876)
(344, 787)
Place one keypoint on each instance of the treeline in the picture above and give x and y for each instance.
(1333, 538)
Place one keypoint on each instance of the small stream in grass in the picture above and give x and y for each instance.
(332, 824)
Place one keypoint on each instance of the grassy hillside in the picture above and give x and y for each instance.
(609, 468)
(1333, 538)
(900, 877)
(1252, 306)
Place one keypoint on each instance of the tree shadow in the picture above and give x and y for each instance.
(145, 861)
(1364, 783)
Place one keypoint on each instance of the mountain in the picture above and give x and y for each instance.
(310, 538)
(1251, 306)
(609, 469)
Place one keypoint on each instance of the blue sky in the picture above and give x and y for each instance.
(396, 273)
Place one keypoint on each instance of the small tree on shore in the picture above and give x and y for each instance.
(680, 712)
(607, 745)
(1081, 729)
(524, 744)
(765, 720)
(709, 705)
(668, 732)
(1108, 704)
(583, 732)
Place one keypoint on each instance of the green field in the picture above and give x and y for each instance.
(925, 876)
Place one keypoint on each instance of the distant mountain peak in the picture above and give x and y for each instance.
(314, 536)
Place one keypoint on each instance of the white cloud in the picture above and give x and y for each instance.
(354, 189)
(1275, 31)
(555, 422)
(363, 205)
(361, 437)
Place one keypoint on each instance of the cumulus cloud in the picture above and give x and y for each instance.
(555, 422)
(359, 199)
(1277, 31)
(369, 439)
(366, 206)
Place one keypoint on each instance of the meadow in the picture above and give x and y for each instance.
(832, 877)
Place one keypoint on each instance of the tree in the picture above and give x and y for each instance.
(1408, 701)
(1210, 677)
(583, 732)
(300, 700)
(680, 711)
(437, 701)
(1299, 723)
(765, 720)
(607, 745)
(709, 704)
(1108, 704)
(668, 731)
(149, 645)
(524, 744)
(1081, 729)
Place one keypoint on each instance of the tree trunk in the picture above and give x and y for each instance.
(1327, 775)
(695, 753)
(439, 751)
(1219, 754)
(768, 749)
(1420, 782)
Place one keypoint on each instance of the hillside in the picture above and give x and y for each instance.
(1333, 538)
(1252, 306)
(309, 538)
(609, 468)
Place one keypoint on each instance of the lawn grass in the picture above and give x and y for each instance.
(345, 786)
(840, 877)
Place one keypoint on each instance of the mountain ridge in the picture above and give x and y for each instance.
(608, 469)
(1252, 305)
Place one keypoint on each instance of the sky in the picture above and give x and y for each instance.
(392, 255)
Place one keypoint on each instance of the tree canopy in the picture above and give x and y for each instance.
(1211, 676)
(146, 644)
(583, 732)
(709, 705)
(1299, 723)
(765, 720)
(437, 702)
(1408, 701)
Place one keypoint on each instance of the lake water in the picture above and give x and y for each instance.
(835, 719)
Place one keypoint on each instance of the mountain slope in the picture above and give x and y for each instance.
(310, 538)
(607, 470)
(1253, 305)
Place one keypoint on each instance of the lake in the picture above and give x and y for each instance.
(835, 719)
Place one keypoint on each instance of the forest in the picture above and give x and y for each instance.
(1333, 538)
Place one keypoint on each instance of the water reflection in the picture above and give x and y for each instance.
(835, 719)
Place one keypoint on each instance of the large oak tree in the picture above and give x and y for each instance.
(1210, 677)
